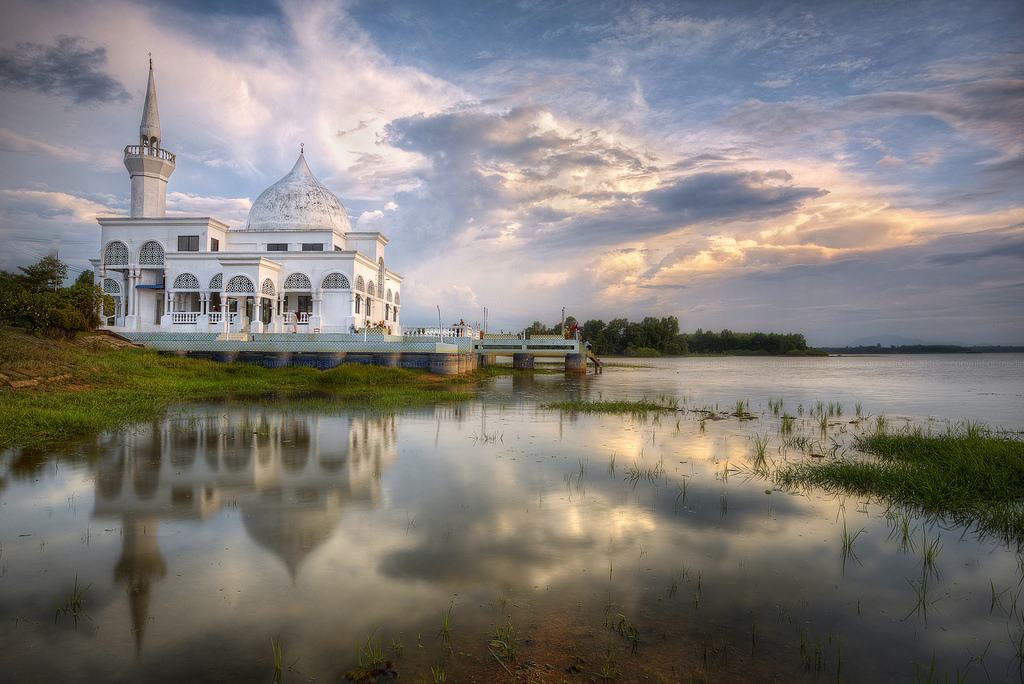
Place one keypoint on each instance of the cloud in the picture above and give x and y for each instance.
(730, 196)
(69, 68)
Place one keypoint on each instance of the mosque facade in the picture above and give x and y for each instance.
(295, 266)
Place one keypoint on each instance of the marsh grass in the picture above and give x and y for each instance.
(73, 603)
(967, 476)
(641, 408)
(506, 641)
(444, 629)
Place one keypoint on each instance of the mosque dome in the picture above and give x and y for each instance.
(298, 202)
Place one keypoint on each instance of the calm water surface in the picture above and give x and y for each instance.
(602, 543)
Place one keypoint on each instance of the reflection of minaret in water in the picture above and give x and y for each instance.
(139, 566)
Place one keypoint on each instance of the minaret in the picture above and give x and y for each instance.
(148, 165)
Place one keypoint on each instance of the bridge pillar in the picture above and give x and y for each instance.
(575, 363)
(522, 361)
(444, 363)
(488, 360)
(390, 359)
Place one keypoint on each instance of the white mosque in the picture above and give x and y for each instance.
(296, 265)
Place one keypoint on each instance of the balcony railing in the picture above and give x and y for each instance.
(217, 317)
(185, 317)
(147, 151)
(301, 317)
(434, 331)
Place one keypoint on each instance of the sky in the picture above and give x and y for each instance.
(844, 170)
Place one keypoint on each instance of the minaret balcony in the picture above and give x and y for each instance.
(147, 151)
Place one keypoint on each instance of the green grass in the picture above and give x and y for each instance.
(633, 408)
(968, 475)
(85, 390)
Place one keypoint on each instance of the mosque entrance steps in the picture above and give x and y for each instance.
(233, 337)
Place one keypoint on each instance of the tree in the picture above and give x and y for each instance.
(46, 276)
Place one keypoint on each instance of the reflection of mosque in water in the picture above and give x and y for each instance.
(289, 474)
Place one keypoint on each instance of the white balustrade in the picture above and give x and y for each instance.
(185, 317)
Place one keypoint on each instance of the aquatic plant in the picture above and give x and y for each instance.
(369, 655)
(760, 445)
(73, 603)
(634, 408)
(963, 476)
(506, 641)
(278, 651)
(786, 424)
(445, 628)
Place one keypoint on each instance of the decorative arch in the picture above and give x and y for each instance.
(116, 254)
(151, 254)
(268, 287)
(335, 281)
(370, 292)
(241, 284)
(360, 285)
(111, 286)
(298, 281)
(217, 282)
(186, 281)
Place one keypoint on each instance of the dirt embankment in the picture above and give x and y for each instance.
(28, 362)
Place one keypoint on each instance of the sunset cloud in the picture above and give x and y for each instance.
(737, 166)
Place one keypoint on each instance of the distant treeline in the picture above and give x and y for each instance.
(656, 337)
(923, 349)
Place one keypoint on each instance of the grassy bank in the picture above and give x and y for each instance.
(969, 475)
(54, 390)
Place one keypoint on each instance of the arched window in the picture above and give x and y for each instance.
(186, 281)
(217, 282)
(241, 284)
(298, 281)
(268, 287)
(389, 295)
(151, 254)
(387, 311)
(380, 276)
(335, 281)
(369, 289)
(111, 286)
(397, 299)
(359, 284)
(359, 300)
(116, 254)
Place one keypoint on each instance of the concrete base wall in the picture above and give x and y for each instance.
(439, 363)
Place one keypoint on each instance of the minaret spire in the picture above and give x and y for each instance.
(148, 164)
(149, 131)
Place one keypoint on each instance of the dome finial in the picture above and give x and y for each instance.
(302, 150)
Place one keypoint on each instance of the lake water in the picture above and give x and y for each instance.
(593, 544)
